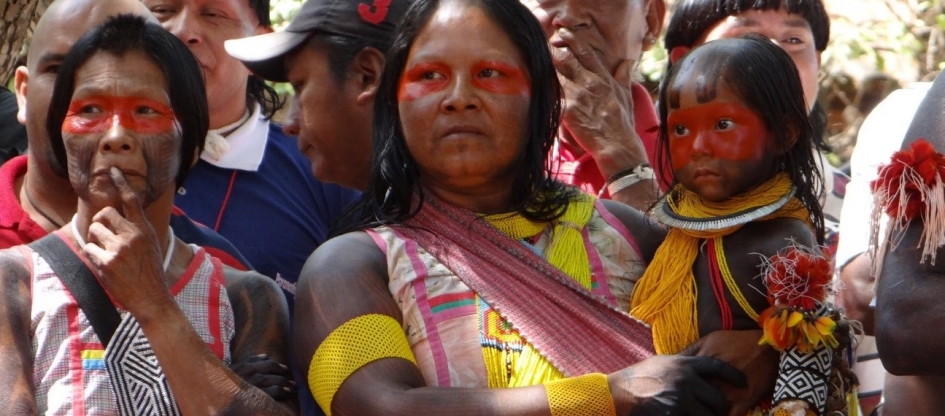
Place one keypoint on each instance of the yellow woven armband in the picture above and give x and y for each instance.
(349, 347)
(587, 395)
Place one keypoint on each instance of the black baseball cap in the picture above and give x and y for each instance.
(372, 19)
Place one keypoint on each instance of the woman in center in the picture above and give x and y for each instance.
(466, 280)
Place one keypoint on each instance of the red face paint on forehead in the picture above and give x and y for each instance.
(716, 130)
(502, 78)
(496, 77)
(100, 113)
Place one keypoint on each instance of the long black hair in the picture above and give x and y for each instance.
(256, 88)
(691, 19)
(765, 78)
(118, 36)
(394, 179)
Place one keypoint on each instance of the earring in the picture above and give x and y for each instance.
(649, 40)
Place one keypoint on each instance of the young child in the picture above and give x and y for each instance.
(734, 127)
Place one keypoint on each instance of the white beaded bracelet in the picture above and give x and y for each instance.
(637, 174)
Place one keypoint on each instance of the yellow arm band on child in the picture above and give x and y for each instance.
(349, 347)
(587, 395)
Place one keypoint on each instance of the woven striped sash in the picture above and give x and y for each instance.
(577, 331)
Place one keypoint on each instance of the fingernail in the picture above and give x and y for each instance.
(263, 356)
(284, 367)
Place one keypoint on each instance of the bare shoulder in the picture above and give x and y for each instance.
(767, 238)
(647, 232)
(18, 397)
(344, 259)
(14, 268)
(249, 281)
(14, 282)
(344, 278)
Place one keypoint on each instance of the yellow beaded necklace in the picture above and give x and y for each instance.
(510, 360)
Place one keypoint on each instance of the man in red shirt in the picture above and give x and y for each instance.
(607, 139)
(35, 195)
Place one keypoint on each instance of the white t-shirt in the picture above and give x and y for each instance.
(881, 135)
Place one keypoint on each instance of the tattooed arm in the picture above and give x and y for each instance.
(259, 348)
(16, 384)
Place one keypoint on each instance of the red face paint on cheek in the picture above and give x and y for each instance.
(422, 80)
(719, 130)
(680, 146)
(98, 114)
(500, 78)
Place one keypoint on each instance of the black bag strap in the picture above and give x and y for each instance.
(85, 288)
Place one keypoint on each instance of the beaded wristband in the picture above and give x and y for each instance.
(349, 347)
(587, 395)
(621, 180)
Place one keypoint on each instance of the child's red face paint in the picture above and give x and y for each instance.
(100, 113)
(427, 78)
(716, 130)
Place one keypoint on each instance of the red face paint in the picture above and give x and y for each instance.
(423, 79)
(504, 79)
(98, 114)
(718, 130)
(495, 77)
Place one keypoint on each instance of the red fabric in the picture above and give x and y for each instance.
(16, 226)
(573, 328)
(582, 171)
(718, 286)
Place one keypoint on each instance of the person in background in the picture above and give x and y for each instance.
(12, 134)
(251, 183)
(34, 188)
(332, 53)
(607, 141)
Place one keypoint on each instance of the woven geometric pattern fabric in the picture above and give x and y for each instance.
(803, 376)
(139, 384)
(587, 395)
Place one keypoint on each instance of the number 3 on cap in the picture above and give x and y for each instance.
(375, 13)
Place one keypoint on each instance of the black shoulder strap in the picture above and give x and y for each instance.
(85, 288)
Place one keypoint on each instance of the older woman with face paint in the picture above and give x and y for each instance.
(146, 317)
(466, 280)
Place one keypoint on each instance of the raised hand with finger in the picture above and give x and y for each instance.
(595, 48)
(125, 250)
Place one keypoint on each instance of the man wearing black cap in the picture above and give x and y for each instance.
(333, 54)
(251, 184)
